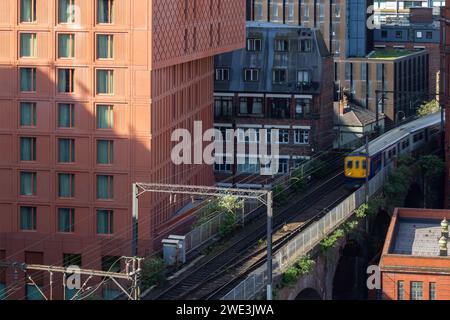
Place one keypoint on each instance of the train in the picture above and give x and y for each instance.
(383, 150)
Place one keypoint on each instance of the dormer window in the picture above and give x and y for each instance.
(305, 45)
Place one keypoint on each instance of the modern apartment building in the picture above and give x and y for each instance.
(280, 81)
(392, 11)
(415, 264)
(419, 32)
(390, 82)
(341, 22)
(90, 94)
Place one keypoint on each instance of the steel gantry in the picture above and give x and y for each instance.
(263, 196)
(132, 274)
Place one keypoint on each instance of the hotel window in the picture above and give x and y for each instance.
(105, 10)
(400, 290)
(28, 218)
(27, 79)
(27, 45)
(66, 150)
(305, 45)
(254, 44)
(105, 187)
(222, 74)
(66, 46)
(27, 114)
(432, 291)
(105, 151)
(301, 136)
(279, 76)
(66, 185)
(66, 11)
(28, 183)
(65, 80)
(281, 45)
(251, 75)
(66, 117)
(66, 220)
(105, 81)
(303, 76)
(71, 259)
(27, 10)
(105, 117)
(105, 220)
(27, 149)
(105, 46)
(416, 290)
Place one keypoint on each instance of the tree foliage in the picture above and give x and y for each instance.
(303, 266)
(428, 108)
(153, 272)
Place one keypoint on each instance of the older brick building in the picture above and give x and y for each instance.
(280, 81)
(91, 93)
(414, 265)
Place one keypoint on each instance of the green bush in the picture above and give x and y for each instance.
(279, 194)
(290, 275)
(331, 241)
(303, 266)
(153, 272)
(228, 224)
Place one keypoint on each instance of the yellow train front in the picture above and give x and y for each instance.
(357, 166)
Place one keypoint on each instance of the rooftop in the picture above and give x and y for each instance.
(412, 242)
(417, 237)
(390, 53)
(355, 116)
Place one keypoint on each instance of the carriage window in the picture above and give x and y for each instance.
(364, 164)
(405, 144)
(357, 164)
(350, 164)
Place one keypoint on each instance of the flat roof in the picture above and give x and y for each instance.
(390, 53)
(417, 237)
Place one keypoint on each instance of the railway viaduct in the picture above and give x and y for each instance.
(338, 274)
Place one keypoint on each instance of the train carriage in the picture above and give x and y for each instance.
(384, 150)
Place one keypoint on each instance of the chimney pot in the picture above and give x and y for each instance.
(443, 251)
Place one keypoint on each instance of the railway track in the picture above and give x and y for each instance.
(212, 274)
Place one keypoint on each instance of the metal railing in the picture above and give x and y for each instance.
(209, 229)
(306, 240)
